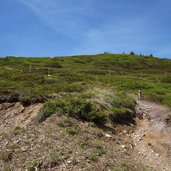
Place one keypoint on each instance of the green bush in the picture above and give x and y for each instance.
(121, 115)
(127, 73)
(29, 99)
(85, 110)
(74, 107)
(50, 107)
(26, 100)
(124, 101)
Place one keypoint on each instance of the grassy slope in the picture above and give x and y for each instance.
(121, 72)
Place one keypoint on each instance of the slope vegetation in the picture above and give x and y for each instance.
(81, 113)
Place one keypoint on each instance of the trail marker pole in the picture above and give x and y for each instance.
(139, 94)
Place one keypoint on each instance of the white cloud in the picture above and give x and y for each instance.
(62, 17)
(113, 32)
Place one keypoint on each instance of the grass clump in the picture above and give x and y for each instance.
(98, 153)
(7, 167)
(93, 157)
(65, 123)
(55, 155)
(18, 129)
(29, 99)
(6, 156)
(3, 136)
(101, 152)
(50, 107)
(72, 131)
(33, 166)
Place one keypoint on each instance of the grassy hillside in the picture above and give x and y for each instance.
(86, 118)
(120, 72)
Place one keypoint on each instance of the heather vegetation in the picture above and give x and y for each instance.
(65, 84)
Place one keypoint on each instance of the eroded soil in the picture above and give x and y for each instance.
(152, 137)
(63, 143)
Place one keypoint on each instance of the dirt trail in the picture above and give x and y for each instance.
(152, 137)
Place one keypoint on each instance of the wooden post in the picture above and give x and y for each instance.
(139, 94)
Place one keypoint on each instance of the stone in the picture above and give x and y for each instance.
(108, 136)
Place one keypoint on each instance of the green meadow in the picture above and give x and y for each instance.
(95, 88)
(37, 78)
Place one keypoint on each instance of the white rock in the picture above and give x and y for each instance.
(123, 146)
(69, 161)
(108, 136)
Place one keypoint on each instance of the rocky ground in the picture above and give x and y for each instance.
(63, 143)
(152, 136)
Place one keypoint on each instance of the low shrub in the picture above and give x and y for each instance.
(121, 115)
(65, 123)
(74, 107)
(84, 110)
(124, 101)
(26, 100)
(50, 107)
(6, 155)
(29, 99)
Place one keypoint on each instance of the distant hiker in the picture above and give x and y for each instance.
(139, 94)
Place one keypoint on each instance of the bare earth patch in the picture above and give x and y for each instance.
(152, 137)
(64, 143)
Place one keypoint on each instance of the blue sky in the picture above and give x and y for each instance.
(69, 27)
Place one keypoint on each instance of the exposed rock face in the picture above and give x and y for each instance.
(15, 114)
